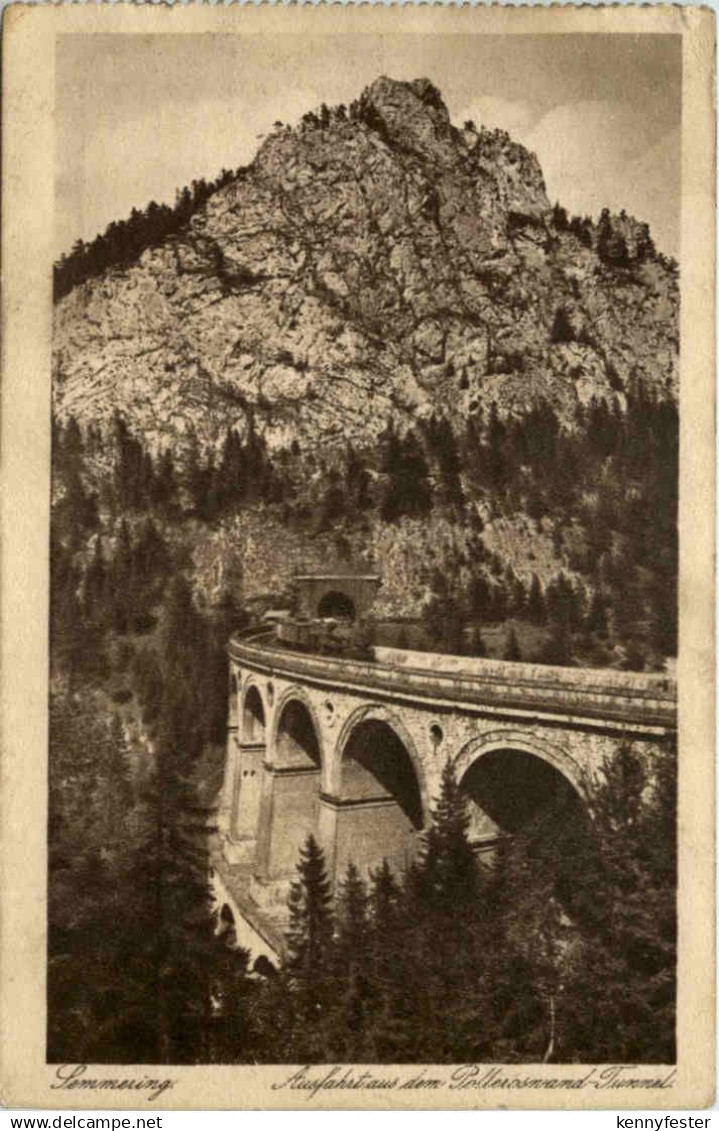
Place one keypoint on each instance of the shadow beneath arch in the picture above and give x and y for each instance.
(253, 717)
(515, 789)
(540, 825)
(376, 762)
(297, 741)
(378, 813)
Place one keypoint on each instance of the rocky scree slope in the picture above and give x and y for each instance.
(372, 262)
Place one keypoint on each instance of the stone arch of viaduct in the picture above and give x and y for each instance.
(353, 751)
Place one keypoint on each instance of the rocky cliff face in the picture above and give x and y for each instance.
(372, 262)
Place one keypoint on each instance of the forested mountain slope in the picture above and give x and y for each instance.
(378, 345)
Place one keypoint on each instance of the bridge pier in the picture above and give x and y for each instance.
(225, 810)
(287, 816)
(246, 787)
(224, 813)
(364, 832)
(482, 829)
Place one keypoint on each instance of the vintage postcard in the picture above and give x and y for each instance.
(358, 461)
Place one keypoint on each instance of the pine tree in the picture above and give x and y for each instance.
(559, 218)
(121, 576)
(518, 598)
(113, 798)
(499, 604)
(357, 482)
(407, 487)
(449, 462)
(100, 932)
(449, 865)
(496, 462)
(194, 479)
(151, 552)
(352, 923)
(596, 618)
(134, 477)
(352, 967)
(447, 964)
(309, 936)
(66, 616)
(388, 1031)
(384, 902)
(604, 234)
(334, 504)
(95, 588)
(626, 963)
(444, 622)
(402, 641)
(231, 470)
(557, 648)
(561, 602)
(479, 597)
(512, 650)
(532, 932)
(311, 957)
(71, 445)
(148, 684)
(477, 646)
(562, 330)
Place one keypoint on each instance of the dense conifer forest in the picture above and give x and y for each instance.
(564, 951)
(607, 488)
(449, 963)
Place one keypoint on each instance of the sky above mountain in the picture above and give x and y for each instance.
(139, 116)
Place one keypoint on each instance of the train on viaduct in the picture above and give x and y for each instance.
(352, 750)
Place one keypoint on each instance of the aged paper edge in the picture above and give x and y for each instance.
(28, 203)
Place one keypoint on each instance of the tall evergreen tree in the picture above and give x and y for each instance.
(407, 488)
(449, 463)
(310, 954)
(310, 931)
(449, 867)
(627, 961)
(512, 650)
(352, 966)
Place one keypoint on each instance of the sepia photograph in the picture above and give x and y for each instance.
(365, 398)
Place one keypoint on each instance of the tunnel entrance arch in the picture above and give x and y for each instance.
(377, 812)
(336, 604)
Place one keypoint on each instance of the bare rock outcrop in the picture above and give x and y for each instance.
(369, 262)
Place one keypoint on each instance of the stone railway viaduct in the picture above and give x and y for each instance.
(353, 751)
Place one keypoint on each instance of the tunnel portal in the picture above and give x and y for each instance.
(336, 604)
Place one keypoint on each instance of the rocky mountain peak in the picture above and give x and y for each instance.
(371, 262)
(411, 115)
